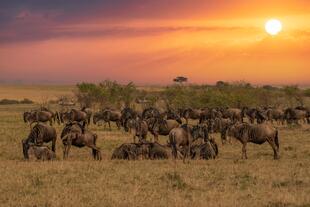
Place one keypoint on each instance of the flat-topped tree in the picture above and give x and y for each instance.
(180, 79)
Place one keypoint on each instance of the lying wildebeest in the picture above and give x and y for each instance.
(108, 115)
(128, 151)
(39, 134)
(142, 150)
(74, 134)
(42, 152)
(159, 126)
(255, 133)
(181, 138)
(206, 151)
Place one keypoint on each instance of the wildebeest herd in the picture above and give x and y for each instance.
(184, 140)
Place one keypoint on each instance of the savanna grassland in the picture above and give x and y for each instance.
(80, 181)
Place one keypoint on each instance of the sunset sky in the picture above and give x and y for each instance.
(152, 41)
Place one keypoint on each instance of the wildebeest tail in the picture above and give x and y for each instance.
(276, 139)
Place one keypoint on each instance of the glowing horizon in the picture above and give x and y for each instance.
(151, 42)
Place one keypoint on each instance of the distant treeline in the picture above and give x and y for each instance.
(222, 94)
(10, 101)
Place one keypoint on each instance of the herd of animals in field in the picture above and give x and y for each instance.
(184, 140)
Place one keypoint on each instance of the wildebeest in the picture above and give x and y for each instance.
(220, 125)
(275, 114)
(42, 152)
(142, 150)
(127, 114)
(250, 113)
(206, 151)
(160, 126)
(171, 114)
(255, 133)
(42, 115)
(181, 138)
(39, 134)
(292, 115)
(83, 115)
(38, 116)
(307, 110)
(128, 151)
(108, 115)
(74, 134)
(190, 113)
(234, 114)
(150, 112)
(139, 128)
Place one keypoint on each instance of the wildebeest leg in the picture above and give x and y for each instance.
(274, 147)
(25, 149)
(54, 144)
(68, 146)
(109, 125)
(118, 124)
(95, 151)
(244, 154)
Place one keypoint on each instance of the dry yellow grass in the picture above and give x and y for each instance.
(36, 93)
(80, 181)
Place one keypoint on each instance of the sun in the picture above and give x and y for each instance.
(273, 26)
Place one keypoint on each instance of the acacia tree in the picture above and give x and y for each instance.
(180, 79)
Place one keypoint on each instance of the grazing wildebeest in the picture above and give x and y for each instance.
(42, 152)
(75, 134)
(39, 134)
(184, 136)
(108, 115)
(294, 115)
(255, 133)
(160, 126)
(190, 113)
